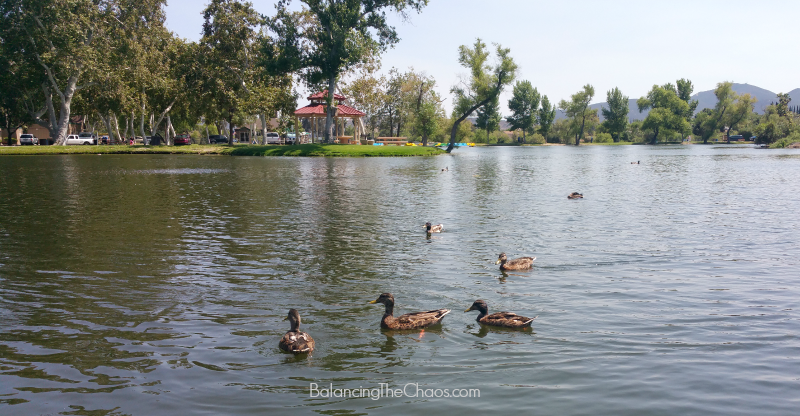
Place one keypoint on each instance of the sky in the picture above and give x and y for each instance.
(562, 45)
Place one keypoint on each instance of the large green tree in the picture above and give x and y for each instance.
(484, 85)
(546, 116)
(667, 111)
(524, 104)
(63, 39)
(228, 61)
(616, 115)
(577, 110)
(489, 117)
(342, 34)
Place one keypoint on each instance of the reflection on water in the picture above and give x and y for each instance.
(161, 281)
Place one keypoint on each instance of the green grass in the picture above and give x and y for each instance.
(240, 150)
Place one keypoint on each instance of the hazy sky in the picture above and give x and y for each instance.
(562, 45)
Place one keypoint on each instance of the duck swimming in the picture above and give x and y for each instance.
(434, 228)
(575, 195)
(410, 320)
(521, 263)
(296, 341)
(504, 319)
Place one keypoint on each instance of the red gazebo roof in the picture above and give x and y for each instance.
(313, 110)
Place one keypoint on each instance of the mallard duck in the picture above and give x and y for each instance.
(410, 320)
(434, 228)
(575, 195)
(296, 341)
(505, 319)
(521, 263)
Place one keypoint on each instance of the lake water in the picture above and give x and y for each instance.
(157, 285)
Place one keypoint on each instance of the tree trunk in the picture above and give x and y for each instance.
(264, 129)
(230, 128)
(583, 123)
(116, 126)
(331, 110)
(107, 121)
(208, 138)
(454, 130)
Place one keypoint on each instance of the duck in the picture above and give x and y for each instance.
(521, 263)
(575, 195)
(434, 228)
(504, 319)
(410, 320)
(635, 163)
(296, 341)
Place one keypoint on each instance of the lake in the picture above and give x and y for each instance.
(157, 284)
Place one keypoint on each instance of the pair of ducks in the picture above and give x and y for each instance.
(298, 342)
(522, 263)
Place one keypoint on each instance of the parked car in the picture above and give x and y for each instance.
(735, 137)
(290, 138)
(182, 139)
(84, 138)
(273, 138)
(28, 140)
(217, 138)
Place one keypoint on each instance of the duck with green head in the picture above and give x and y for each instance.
(504, 319)
(412, 320)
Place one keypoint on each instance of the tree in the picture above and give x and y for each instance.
(344, 33)
(227, 59)
(523, 104)
(427, 120)
(577, 110)
(667, 111)
(485, 82)
(369, 94)
(62, 39)
(616, 115)
(783, 104)
(740, 111)
(545, 117)
(489, 117)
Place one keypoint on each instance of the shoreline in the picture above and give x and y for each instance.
(311, 150)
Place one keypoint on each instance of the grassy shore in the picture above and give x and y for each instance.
(241, 150)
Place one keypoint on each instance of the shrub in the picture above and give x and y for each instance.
(603, 138)
(536, 138)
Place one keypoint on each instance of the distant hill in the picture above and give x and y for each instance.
(707, 99)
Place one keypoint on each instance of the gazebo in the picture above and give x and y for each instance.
(317, 110)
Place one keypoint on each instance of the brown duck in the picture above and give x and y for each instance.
(296, 341)
(522, 263)
(410, 320)
(575, 195)
(434, 228)
(504, 319)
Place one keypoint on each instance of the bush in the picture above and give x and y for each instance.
(5, 141)
(603, 138)
(536, 138)
(786, 141)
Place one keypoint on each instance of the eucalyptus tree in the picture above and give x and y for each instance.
(616, 115)
(524, 105)
(62, 39)
(344, 33)
(485, 82)
(577, 110)
(546, 116)
(667, 111)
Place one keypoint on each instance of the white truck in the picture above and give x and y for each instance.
(84, 138)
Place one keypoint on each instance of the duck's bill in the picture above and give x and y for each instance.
(285, 318)
(467, 310)
(373, 301)
(497, 262)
